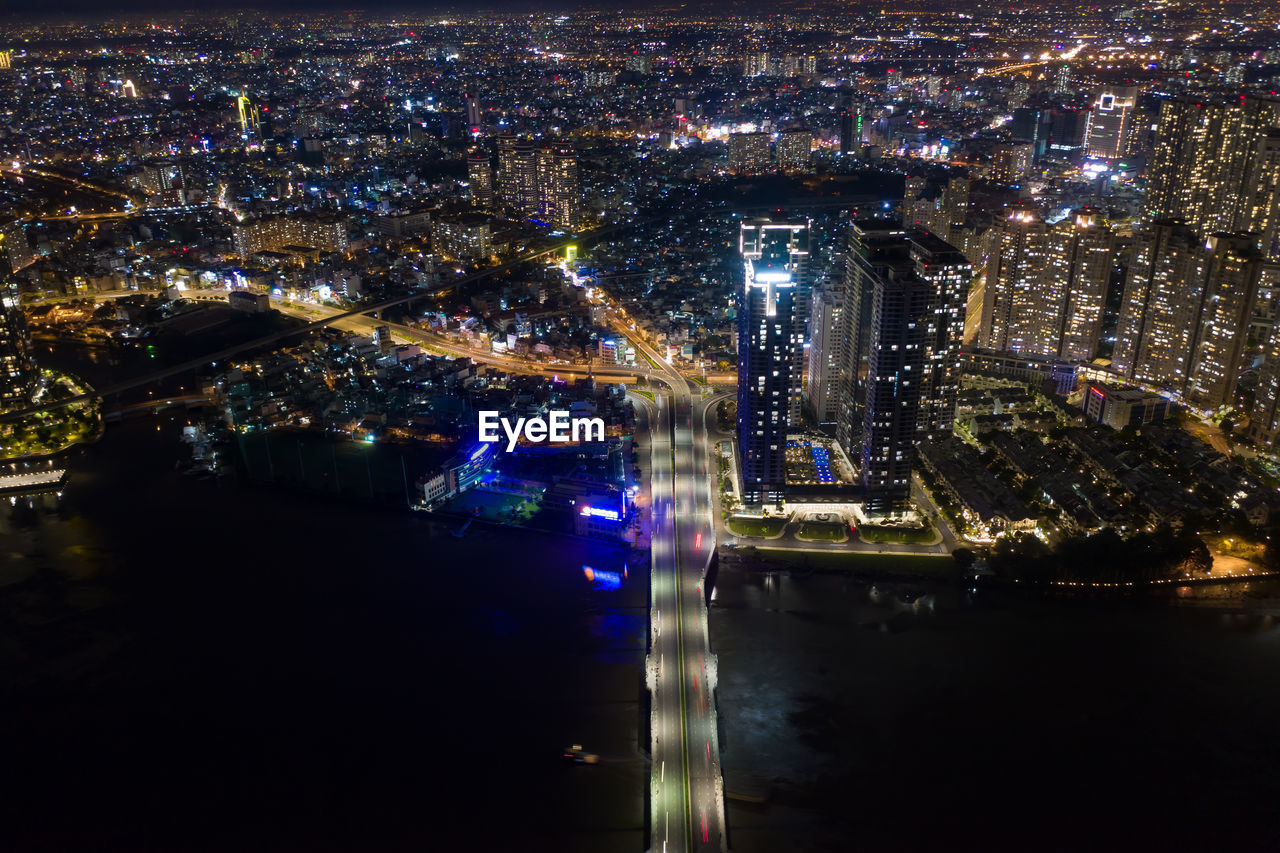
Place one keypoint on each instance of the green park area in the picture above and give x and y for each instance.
(52, 430)
(881, 535)
(1235, 545)
(761, 527)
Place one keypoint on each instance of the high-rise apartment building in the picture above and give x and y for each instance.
(822, 383)
(1215, 165)
(1160, 309)
(754, 237)
(1016, 315)
(766, 361)
(955, 202)
(1107, 131)
(1046, 287)
(326, 233)
(895, 383)
(518, 174)
(796, 65)
(1081, 256)
(1011, 162)
(1264, 418)
(558, 192)
(947, 273)
(542, 184)
(899, 323)
(1260, 207)
(163, 182)
(480, 180)
(794, 146)
(14, 246)
(18, 373)
(873, 246)
(749, 153)
(1232, 268)
(755, 64)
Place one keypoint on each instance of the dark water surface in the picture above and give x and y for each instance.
(187, 664)
(989, 725)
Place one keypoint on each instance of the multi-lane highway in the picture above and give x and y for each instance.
(687, 793)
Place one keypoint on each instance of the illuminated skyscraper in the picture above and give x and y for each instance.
(874, 245)
(1215, 165)
(755, 235)
(1264, 419)
(748, 153)
(755, 64)
(955, 202)
(822, 383)
(541, 184)
(1161, 305)
(766, 361)
(247, 115)
(1062, 83)
(1260, 207)
(1017, 314)
(18, 373)
(1232, 268)
(1011, 162)
(850, 127)
(558, 191)
(1107, 131)
(946, 272)
(895, 384)
(480, 180)
(1078, 268)
(14, 246)
(900, 322)
(1046, 286)
(793, 150)
(518, 174)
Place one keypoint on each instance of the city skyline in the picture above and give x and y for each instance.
(705, 428)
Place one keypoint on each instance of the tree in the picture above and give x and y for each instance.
(964, 558)
(1198, 560)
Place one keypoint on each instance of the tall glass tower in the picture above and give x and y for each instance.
(766, 360)
(18, 374)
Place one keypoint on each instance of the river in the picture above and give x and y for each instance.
(195, 664)
(976, 722)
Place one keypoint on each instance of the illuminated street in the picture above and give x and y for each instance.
(686, 783)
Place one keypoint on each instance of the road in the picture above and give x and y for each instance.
(224, 354)
(687, 805)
